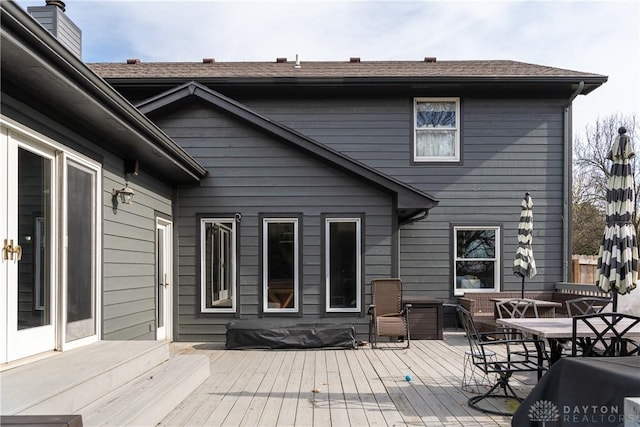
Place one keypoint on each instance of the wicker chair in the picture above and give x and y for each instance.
(388, 317)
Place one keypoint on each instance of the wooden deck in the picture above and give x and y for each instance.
(362, 387)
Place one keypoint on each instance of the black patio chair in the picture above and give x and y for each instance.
(586, 305)
(609, 335)
(516, 308)
(500, 353)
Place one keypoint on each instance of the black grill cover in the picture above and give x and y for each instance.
(263, 334)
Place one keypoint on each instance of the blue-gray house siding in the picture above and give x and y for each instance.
(508, 147)
(514, 127)
(258, 176)
(128, 290)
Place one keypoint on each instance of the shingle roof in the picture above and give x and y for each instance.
(490, 69)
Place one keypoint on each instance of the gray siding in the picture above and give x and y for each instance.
(129, 285)
(508, 147)
(128, 236)
(255, 175)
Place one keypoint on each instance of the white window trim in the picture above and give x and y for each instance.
(497, 270)
(327, 257)
(424, 159)
(203, 264)
(265, 264)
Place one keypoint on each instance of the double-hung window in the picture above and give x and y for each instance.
(436, 130)
(342, 264)
(280, 264)
(218, 261)
(477, 260)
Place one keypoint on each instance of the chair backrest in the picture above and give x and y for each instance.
(516, 308)
(386, 296)
(609, 335)
(470, 329)
(586, 305)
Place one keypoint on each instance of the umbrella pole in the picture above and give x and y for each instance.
(522, 291)
(614, 302)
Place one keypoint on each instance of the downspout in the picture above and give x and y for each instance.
(568, 182)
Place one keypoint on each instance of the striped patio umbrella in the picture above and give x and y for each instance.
(617, 270)
(524, 265)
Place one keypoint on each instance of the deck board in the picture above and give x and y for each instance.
(353, 387)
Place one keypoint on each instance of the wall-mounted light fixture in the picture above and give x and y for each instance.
(126, 194)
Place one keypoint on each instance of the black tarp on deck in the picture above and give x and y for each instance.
(264, 334)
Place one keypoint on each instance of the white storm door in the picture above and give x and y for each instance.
(164, 277)
(27, 236)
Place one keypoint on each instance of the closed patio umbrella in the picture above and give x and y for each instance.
(524, 265)
(617, 270)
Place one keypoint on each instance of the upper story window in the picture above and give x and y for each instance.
(437, 130)
(477, 260)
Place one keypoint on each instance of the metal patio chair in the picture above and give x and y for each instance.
(516, 308)
(388, 316)
(502, 354)
(609, 335)
(586, 305)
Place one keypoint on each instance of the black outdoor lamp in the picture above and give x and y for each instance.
(126, 194)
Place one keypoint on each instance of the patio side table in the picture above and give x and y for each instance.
(425, 317)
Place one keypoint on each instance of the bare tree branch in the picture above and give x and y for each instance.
(591, 170)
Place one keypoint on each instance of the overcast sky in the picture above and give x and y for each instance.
(589, 36)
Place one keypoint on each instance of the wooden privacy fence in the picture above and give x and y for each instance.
(584, 268)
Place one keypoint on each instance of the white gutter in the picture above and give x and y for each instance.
(568, 183)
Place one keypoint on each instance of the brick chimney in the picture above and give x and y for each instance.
(53, 19)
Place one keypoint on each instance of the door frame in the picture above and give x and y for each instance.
(165, 333)
(16, 343)
(60, 156)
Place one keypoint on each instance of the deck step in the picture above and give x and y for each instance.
(69, 381)
(147, 400)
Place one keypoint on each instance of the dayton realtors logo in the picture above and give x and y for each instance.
(545, 411)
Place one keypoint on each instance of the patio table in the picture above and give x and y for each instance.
(582, 391)
(554, 330)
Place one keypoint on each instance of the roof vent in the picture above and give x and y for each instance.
(430, 59)
(354, 59)
(281, 60)
(133, 61)
(208, 60)
(297, 62)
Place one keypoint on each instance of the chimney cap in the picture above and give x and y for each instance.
(354, 59)
(430, 59)
(57, 3)
(133, 61)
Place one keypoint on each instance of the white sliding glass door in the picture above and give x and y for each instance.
(26, 234)
(49, 228)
